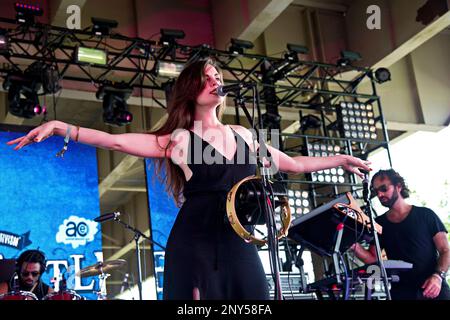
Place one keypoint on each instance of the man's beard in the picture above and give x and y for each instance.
(390, 203)
(27, 286)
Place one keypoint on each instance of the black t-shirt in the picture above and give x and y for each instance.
(412, 241)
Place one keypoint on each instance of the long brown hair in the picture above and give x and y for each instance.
(181, 111)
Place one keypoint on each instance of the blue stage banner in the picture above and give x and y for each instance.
(49, 203)
(163, 212)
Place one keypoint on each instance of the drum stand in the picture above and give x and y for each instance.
(137, 235)
(101, 294)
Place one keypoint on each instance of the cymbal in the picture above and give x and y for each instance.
(101, 267)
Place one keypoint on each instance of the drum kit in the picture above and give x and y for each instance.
(99, 269)
(18, 295)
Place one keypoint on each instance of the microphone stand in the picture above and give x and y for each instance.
(369, 212)
(268, 204)
(137, 235)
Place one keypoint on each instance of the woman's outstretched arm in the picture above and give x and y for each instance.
(303, 164)
(136, 144)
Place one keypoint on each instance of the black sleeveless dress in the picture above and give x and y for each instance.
(203, 251)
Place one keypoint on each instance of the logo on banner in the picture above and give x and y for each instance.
(15, 241)
(76, 231)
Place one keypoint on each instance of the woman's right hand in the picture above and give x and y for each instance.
(38, 134)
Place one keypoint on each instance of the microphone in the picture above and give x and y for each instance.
(124, 283)
(365, 183)
(224, 90)
(107, 217)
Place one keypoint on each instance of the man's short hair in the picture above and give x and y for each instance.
(395, 178)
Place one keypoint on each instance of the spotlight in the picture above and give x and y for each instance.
(23, 97)
(4, 42)
(356, 120)
(169, 36)
(48, 74)
(102, 27)
(297, 48)
(26, 12)
(168, 69)
(115, 108)
(294, 51)
(334, 175)
(90, 56)
(310, 122)
(347, 57)
(382, 75)
(299, 202)
(239, 46)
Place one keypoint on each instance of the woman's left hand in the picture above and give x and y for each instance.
(354, 165)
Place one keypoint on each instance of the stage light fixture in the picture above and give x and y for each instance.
(310, 122)
(347, 57)
(4, 41)
(382, 75)
(91, 56)
(23, 99)
(299, 202)
(25, 13)
(169, 36)
(331, 148)
(168, 69)
(299, 49)
(238, 46)
(103, 27)
(115, 108)
(293, 51)
(47, 73)
(356, 120)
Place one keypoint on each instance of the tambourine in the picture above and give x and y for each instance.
(243, 209)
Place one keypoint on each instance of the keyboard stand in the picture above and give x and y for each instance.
(299, 263)
(337, 252)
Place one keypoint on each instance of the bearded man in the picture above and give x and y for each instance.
(412, 234)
